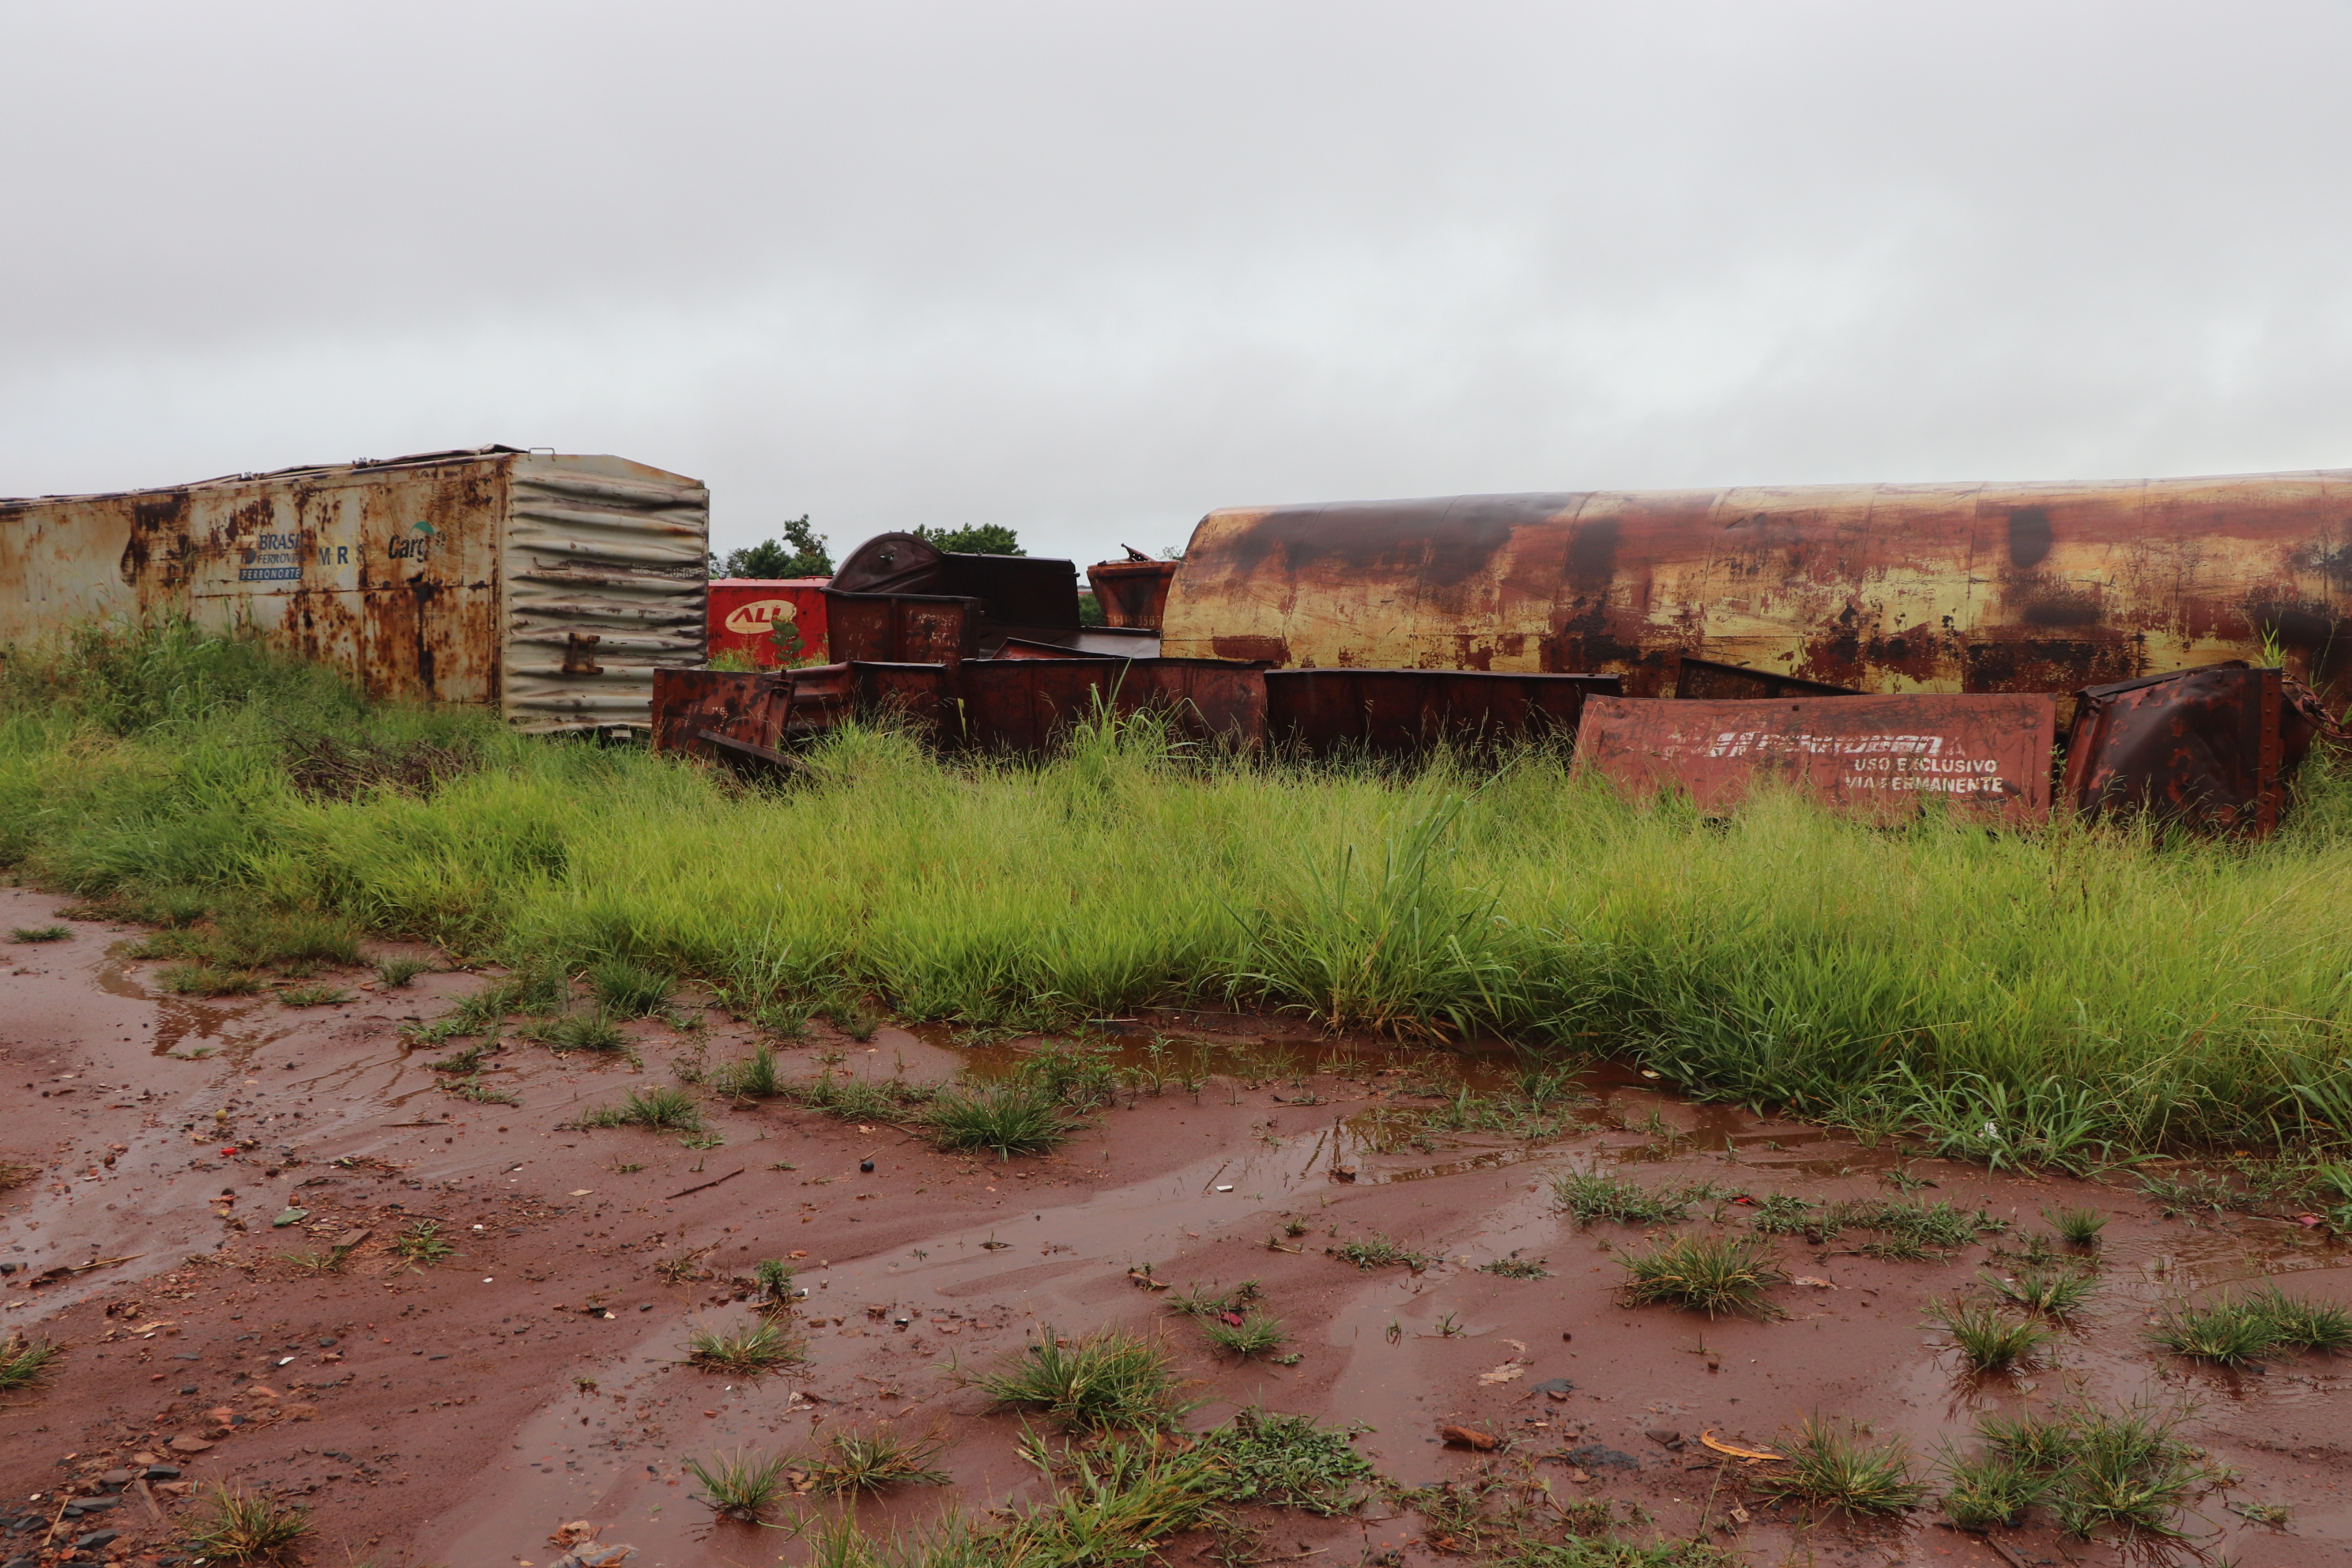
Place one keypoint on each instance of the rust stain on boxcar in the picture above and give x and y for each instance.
(1963, 587)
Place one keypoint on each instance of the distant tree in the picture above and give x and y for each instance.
(973, 539)
(800, 552)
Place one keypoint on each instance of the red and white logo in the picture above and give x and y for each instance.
(751, 619)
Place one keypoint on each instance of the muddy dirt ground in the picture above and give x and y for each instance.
(460, 1414)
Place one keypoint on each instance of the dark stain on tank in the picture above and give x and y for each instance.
(1247, 649)
(2050, 664)
(2029, 536)
(159, 539)
(1593, 555)
(2055, 605)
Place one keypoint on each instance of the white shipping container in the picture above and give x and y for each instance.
(549, 586)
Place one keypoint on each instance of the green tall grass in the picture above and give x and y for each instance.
(2051, 996)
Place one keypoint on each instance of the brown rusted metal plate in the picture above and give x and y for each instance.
(1132, 593)
(748, 706)
(1030, 705)
(1703, 680)
(2209, 749)
(1397, 712)
(1873, 756)
(1960, 588)
(901, 628)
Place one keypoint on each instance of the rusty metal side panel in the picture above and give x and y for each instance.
(923, 695)
(2202, 748)
(746, 705)
(1132, 593)
(1211, 698)
(901, 628)
(1877, 757)
(1962, 588)
(1030, 705)
(387, 573)
(1705, 681)
(1398, 712)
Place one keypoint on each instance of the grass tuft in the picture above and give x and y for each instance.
(1106, 1381)
(239, 1526)
(876, 1458)
(1834, 1468)
(1710, 1274)
(314, 996)
(740, 1485)
(1255, 1334)
(39, 933)
(753, 1077)
(581, 1032)
(1003, 1120)
(2051, 1292)
(629, 990)
(758, 1345)
(1514, 1267)
(1591, 1195)
(2234, 1329)
(393, 973)
(24, 1362)
(1989, 1490)
(1290, 1462)
(207, 980)
(1986, 1340)
(661, 1108)
(2076, 1228)
(421, 1245)
(1377, 1251)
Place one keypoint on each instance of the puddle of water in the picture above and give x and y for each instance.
(186, 1019)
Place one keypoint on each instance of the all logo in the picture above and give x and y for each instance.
(751, 619)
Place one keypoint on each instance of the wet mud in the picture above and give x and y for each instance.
(187, 1166)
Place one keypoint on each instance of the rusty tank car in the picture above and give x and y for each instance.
(549, 587)
(1881, 588)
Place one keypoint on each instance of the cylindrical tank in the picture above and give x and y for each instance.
(1956, 587)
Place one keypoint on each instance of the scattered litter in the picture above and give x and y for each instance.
(1594, 1456)
(1554, 1388)
(290, 1217)
(1503, 1373)
(1816, 1284)
(1467, 1437)
(1666, 1438)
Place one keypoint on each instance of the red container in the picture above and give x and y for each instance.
(744, 612)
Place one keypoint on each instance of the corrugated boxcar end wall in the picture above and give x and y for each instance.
(1888, 588)
(606, 575)
(387, 573)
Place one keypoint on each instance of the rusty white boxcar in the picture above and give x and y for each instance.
(1960, 588)
(549, 586)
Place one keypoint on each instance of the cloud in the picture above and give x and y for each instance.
(1092, 269)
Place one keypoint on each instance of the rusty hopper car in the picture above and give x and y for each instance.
(550, 587)
(1886, 588)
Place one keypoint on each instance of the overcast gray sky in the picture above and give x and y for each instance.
(1090, 269)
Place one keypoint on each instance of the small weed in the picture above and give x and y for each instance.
(2052, 1292)
(680, 1267)
(772, 1277)
(40, 933)
(1004, 1119)
(2126, 1470)
(2037, 1441)
(1255, 1334)
(748, 1349)
(1989, 1489)
(630, 990)
(1296, 1228)
(788, 1022)
(1988, 1341)
(314, 996)
(241, 1527)
(393, 973)
(474, 1089)
(704, 1140)
(661, 1107)
(2270, 1513)
(467, 1060)
(2076, 1228)
(753, 1077)
(1377, 1251)
(1712, 1274)
(581, 1032)
(853, 1018)
(1785, 1213)
(1514, 1267)
(1837, 1469)
(2233, 1329)
(325, 1260)
(876, 1458)
(1598, 1195)
(24, 1362)
(1196, 1302)
(207, 980)
(851, 1099)
(422, 1244)
(1288, 1461)
(1109, 1380)
(740, 1485)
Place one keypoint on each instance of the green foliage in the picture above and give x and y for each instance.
(1596, 1195)
(1377, 1251)
(39, 933)
(661, 1107)
(1106, 1381)
(398, 972)
(749, 1348)
(2073, 1000)
(1989, 1489)
(2077, 1227)
(24, 1362)
(239, 1526)
(207, 980)
(629, 990)
(1255, 1334)
(1003, 1120)
(1986, 1340)
(1290, 1460)
(1836, 1469)
(580, 1032)
(2244, 1326)
(740, 1485)
(773, 1277)
(800, 552)
(876, 1459)
(1514, 1267)
(753, 1077)
(2052, 1292)
(1710, 1274)
(313, 995)
(2126, 1469)
(972, 539)
(421, 1244)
